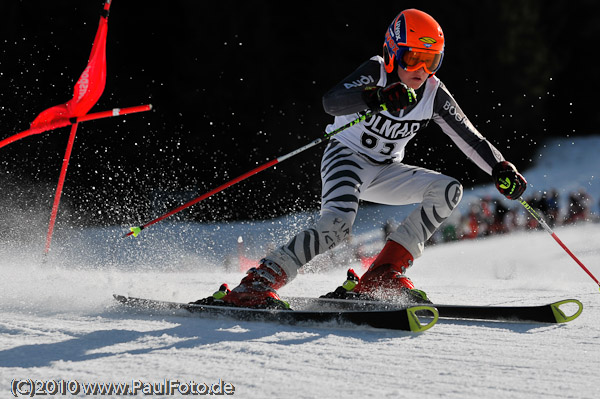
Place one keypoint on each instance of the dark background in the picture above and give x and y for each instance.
(235, 84)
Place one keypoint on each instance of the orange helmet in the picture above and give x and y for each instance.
(413, 40)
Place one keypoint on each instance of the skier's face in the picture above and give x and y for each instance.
(413, 79)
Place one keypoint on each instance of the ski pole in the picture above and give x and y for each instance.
(541, 221)
(136, 230)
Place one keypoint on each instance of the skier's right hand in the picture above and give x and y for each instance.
(394, 97)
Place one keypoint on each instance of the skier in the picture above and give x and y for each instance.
(365, 162)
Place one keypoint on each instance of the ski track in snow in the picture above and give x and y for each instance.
(59, 321)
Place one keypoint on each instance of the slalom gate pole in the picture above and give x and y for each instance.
(71, 121)
(59, 187)
(136, 230)
(541, 221)
(63, 172)
(113, 112)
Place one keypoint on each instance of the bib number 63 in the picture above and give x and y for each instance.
(371, 142)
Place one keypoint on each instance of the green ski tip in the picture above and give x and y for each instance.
(136, 231)
(416, 325)
(560, 316)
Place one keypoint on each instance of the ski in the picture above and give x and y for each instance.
(405, 318)
(547, 313)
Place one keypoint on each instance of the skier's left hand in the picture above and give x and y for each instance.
(508, 180)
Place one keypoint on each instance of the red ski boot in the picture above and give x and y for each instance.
(385, 279)
(257, 289)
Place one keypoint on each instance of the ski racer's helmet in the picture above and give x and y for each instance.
(413, 40)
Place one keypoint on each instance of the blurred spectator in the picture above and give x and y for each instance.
(579, 204)
(489, 216)
(511, 220)
(486, 216)
(499, 225)
(470, 223)
(449, 232)
(553, 208)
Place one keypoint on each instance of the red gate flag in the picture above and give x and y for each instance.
(88, 89)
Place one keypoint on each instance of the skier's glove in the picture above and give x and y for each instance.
(394, 97)
(508, 181)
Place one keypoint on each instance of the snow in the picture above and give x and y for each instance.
(58, 319)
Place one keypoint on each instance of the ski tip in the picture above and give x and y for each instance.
(415, 324)
(560, 315)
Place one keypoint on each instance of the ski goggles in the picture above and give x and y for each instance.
(414, 59)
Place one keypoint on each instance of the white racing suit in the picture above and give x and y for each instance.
(364, 162)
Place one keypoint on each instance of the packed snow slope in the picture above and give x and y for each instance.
(61, 323)
(58, 320)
